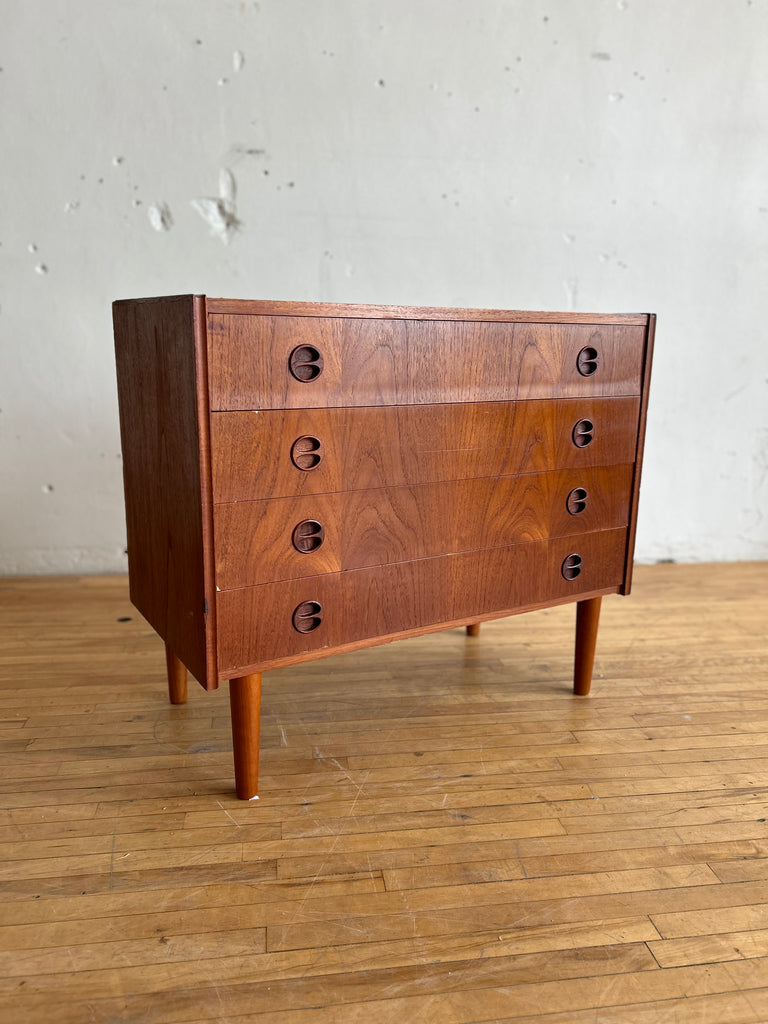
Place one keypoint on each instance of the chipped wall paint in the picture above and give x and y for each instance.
(220, 213)
(160, 216)
(607, 155)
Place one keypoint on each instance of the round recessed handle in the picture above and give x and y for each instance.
(306, 363)
(571, 567)
(307, 452)
(576, 501)
(307, 616)
(308, 535)
(587, 361)
(583, 433)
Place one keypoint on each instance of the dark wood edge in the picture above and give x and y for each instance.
(647, 362)
(156, 298)
(280, 307)
(410, 405)
(358, 645)
(211, 681)
(263, 307)
(284, 307)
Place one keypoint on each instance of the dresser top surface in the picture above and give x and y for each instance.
(265, 307)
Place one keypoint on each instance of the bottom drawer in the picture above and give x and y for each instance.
(281, 622)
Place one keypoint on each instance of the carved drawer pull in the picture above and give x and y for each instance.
(307, 617)
(576, 501)
(571, 567)
(587, 361)
(306, 452)
(583, 433)
(306, 363)
(308, 535)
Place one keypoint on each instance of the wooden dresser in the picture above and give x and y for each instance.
(302, 479)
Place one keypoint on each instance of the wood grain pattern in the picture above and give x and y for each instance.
(402, 445)
(255, 623)
(254, 539)
(161, 377)
(400, 362)
(266, 307)
(375, 527)
(136, 887)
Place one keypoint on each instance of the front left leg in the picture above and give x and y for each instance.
(587, 619)
(245, 706)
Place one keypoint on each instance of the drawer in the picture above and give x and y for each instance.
(347, 361)
(318, 451)
(256, 624)
(276, 539)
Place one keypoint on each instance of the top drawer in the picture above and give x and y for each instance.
(342, 361)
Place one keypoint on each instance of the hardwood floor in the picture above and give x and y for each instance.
(445, 833)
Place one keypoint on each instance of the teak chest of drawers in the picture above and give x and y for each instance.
(302, 479)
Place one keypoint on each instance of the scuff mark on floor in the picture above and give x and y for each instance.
(228, 815)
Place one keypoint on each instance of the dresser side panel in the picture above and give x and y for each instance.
(632, 531)
(158, 355)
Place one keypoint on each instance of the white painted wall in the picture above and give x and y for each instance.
(606, 155)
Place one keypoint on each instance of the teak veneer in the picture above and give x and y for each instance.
(302, 479)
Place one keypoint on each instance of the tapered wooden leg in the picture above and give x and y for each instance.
(474, 629)
(177, 678)
(245, 705)
(587, 619)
